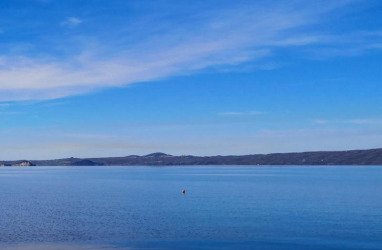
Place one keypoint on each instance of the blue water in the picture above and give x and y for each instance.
(224, 208)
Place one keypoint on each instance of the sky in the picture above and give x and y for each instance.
(113, 78)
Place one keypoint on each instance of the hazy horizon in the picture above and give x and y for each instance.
(127, 155)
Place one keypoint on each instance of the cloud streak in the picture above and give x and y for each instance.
(246, 113)
(221, 38)
(71, 22)
(363, 121)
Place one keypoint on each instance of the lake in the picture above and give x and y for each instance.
(225, 207)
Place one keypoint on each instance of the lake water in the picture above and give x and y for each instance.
(224, 208)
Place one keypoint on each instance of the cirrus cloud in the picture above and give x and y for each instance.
(221, 38)
(71, 22)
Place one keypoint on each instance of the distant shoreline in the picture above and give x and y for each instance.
(319, 158)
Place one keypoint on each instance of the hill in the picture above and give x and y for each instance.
(350, 157)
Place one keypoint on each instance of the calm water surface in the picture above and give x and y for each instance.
(224, 208)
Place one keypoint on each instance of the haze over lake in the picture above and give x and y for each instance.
(224, 207)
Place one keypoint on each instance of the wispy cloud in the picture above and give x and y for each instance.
(346, 45)
(5, 105)
(245, 113)
(221, 38)
(298, 140)
(71, 22)
(363, 121)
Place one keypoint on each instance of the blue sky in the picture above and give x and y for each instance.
(113, 78)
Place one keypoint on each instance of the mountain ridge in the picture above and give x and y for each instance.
(347, 157)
